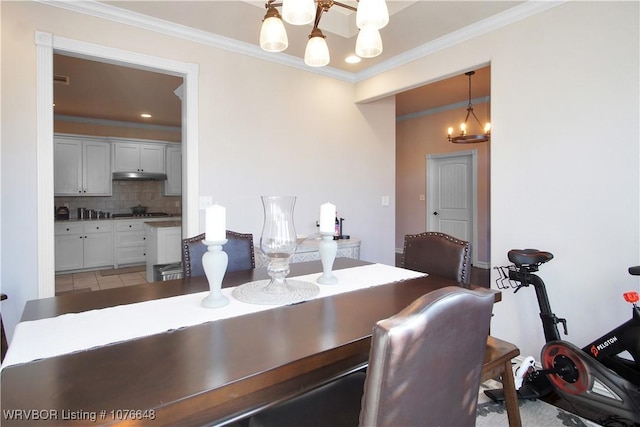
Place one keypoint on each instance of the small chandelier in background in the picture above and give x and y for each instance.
(371, 16)
(465, 137)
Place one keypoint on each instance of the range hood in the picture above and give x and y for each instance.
(139, 176)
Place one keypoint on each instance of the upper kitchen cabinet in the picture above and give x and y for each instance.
(82, 166)
(138, 157)
(173, 184)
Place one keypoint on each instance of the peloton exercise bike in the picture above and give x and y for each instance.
(604, 375)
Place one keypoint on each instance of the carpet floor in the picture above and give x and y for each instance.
(533, 413)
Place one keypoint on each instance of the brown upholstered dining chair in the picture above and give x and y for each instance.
(239, 249)
(424, 369)
(3, 340)
(439, 254)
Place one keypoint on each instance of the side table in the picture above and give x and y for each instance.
(308, 251)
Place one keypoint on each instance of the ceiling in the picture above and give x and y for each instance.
(112, 92)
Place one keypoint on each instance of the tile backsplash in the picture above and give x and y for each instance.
(125, 195)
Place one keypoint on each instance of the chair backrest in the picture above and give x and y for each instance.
(438, 254)
(239, 249)
(425, 362)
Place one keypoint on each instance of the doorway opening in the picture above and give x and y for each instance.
(423, 115)
(47, 44)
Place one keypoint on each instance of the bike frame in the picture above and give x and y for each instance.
(604, 349)
(625, 337)
(549, 319)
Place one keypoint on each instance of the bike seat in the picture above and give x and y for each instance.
(522, 257)
(635, 270)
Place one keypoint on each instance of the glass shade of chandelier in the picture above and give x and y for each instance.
(470, 138)
(371, 16)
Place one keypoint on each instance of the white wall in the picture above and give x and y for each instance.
(565, 158)
(264, 129)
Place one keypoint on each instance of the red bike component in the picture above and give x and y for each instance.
(576, 380)
(631, 297)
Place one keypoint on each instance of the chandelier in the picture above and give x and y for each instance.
(465, 137)
(371, 16)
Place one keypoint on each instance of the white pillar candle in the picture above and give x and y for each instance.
(215, 224)
(327, 218)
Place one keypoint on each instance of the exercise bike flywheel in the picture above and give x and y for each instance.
(568, 373)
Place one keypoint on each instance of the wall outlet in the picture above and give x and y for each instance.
(205, 202)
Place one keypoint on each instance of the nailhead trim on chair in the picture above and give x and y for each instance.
(186, 254)
(467, 258)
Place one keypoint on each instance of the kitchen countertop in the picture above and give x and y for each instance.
(163, 224)
(146, 218)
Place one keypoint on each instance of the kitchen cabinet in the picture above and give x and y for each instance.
(138, 157)
(82, 167)
(164, 244)
(173, 184)
(83, 244)
(130, 241)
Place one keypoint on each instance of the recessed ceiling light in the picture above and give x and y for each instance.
(145, 115)
(352, 59)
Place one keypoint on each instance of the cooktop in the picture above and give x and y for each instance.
(144, 215)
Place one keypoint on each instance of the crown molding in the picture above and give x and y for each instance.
(115, 123)
(469, 32)
(115, 14)
(454, 106)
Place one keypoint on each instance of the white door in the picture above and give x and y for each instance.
(69, 252)
(97, 168)
(98, 250)
(152, 158)
(67, 169)
(173, 184)
(450, 203)
(126, 157)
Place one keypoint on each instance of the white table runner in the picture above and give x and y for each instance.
(73, 332)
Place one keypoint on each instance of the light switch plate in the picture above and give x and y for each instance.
(385, 201)
(205, 202)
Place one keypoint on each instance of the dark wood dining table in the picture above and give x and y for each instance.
(209, 374)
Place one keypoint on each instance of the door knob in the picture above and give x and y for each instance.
(436, 213)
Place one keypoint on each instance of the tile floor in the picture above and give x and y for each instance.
(95, 281)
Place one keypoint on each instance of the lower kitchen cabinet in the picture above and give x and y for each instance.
(130, 241)
(83, 244)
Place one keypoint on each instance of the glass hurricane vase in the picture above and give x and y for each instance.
(278, 240)
(278, 243)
